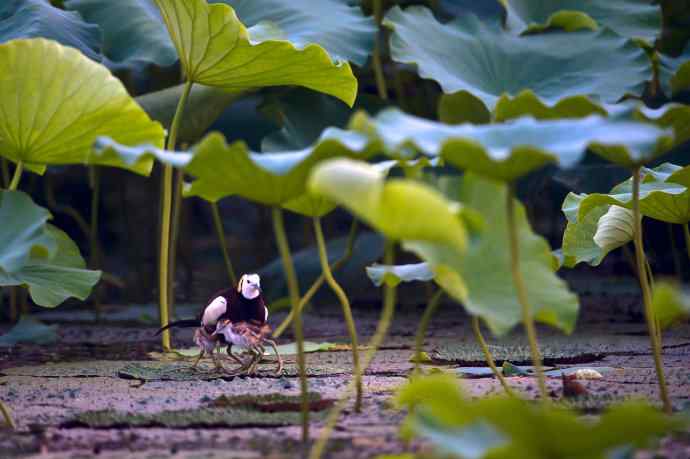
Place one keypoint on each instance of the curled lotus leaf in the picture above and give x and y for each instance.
(395, 274)
(216, 49)
(507, 151)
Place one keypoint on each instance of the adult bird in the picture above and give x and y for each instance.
(243, 307)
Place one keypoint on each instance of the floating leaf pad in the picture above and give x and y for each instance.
(272, 403)
(471, 354)
(203, 417)
(593, 403)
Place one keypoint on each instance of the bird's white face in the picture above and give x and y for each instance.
(250, 286)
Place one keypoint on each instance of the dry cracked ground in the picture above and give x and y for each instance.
(100, 393)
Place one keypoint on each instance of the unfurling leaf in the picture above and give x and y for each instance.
(615, 228)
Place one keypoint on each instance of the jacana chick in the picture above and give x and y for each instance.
(243, 304)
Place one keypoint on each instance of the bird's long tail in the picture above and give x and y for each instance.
(179, 324)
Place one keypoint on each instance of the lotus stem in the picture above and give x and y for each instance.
(376, 340)
(218, 223)
(293, 291)
(166, 211)
(521, 291)
(347, 311)
(347, 254)
(429, 311)
(686, 235)
(376, 57)
(174, 238)
(657, 324)
(4, 409)
(94, 246)
(647, 293)
(17, 175)
(476, 328)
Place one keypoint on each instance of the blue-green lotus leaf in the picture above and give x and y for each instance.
(338, 26)
(485, 267)
(578, 237)
(395, 274)
(133, 31)
(38, 18)
(674, 72)
(23, 231)
(55, 102)
(628, 18)
(486, 61)
(509, 150)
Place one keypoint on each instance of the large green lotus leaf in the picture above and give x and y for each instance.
(665, 201)
(535, 431)
(395, 274)
(509, 150)
(485, 267)
(54, 102)
(527, 103)
(38, 18)
(221, 170)
(629, 18)
(215, 49)
(578, 237)
(670, 304)
(204, 105)
(670, 116)
(487, 61)
(340, 28)
(23, 231)
(133, 31)
(389, 205)
(53, 279)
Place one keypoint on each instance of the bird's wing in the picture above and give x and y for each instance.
(214, 310)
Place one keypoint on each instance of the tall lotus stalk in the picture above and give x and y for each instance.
(293, 291)
(429, 312)
(376, 340)
(488, 357)
(647, 293)
(521, 290)
(166, 215)
(347, 311)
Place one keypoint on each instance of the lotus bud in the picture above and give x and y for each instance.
(615, 228)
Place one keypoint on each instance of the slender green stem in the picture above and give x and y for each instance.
(218, 223)
(521, 291)
(376, 340)
(347, 311)
(347, 254)
(166, 213)
(647, 293)
(686, 234)
(94, 246)
(293, 291)
(429, 311)
(7, 416)
(174, 238)
(376, 57)
(657, 324)
(17, 175)
(487, 355)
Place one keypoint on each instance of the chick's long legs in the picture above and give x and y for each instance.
(275, 349)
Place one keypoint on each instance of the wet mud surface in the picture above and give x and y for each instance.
(100, 393)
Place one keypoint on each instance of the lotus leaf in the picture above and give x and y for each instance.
(38, 18)
(388, 205)
(487, 61)
(336, 25)
(56, 102)
(215, 49)
(629, 18)
(133, 31)
(485, 267)
(670, 304)
(399, 273)
(507, 151)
